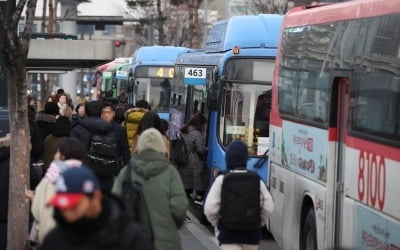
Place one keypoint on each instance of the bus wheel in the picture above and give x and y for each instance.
(309, 236)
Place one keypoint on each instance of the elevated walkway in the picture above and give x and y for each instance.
(65, 55)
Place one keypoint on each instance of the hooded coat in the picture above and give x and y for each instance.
(236, 157)
(164, 195)
(85, 128)
(132, 119)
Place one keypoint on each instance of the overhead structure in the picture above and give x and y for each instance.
(65, 55)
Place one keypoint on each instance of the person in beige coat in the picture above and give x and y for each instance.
(69, 153)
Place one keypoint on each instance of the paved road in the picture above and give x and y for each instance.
(196, 236)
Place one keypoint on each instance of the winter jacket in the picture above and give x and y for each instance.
(123, 147)
(132, 119)
(166, 142)
(42, 213)
(36, 141)
(85, 128)
(112, 229)
(226, 236)
(164, 195)
(45, 124)
(75, 118)
(194, 174)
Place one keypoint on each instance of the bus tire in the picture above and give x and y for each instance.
(309, 232)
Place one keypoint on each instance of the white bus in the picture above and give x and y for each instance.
(335, 128)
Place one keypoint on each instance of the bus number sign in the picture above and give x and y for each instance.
(371, 181)
(153, 71)
(165, 72)
(195, 76)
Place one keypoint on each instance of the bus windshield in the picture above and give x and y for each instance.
(154, 84)
(245, 115)
(246, 103)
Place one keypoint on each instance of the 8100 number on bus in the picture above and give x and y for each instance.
(372, 179)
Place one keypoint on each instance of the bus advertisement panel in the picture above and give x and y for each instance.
(335, 134)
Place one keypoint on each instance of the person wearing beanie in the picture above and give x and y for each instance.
(163, 192)
(236, 158)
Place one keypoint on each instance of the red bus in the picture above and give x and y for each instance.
(335, 128)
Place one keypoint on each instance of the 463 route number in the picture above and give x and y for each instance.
(195, 72)
(371, 179)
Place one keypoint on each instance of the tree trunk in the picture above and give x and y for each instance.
(52, 28)
(43, 85)
(191, 25)
(18, 206)
(160, 24)
(15, 52)
(51, 20)
(195, 38)
(44, 8)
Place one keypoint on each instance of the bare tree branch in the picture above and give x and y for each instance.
(18, 10)
(30, 15)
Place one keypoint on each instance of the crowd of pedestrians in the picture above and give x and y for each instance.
(79, 162)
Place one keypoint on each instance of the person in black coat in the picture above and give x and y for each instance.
(36, 145)
(85, 129)
(88, 219)
(46, 120)
(108, 115)
(4, 186)
(90, 125)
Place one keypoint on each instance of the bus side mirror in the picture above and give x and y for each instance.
(213, 94)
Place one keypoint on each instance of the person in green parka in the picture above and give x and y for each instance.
(163, 191)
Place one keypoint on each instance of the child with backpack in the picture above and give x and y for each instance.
(238, 203)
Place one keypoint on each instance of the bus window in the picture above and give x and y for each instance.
(261, 116)
(375, 107)
(241, 114)
(304, 95)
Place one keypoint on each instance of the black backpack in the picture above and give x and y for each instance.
(179, 153)
(240, 200)
(103, 155)
(132, 195)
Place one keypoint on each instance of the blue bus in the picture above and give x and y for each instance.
(230, 83)
(153, 70)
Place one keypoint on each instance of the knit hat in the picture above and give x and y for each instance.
(151, 138)
(236, 155)
(51, 108)
(72, 185)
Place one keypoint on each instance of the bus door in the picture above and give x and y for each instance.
(343, 97)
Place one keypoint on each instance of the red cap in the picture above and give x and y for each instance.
(64, 201)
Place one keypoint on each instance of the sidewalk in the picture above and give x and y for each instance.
(195, 236)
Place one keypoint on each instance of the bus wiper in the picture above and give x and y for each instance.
(262, 160)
